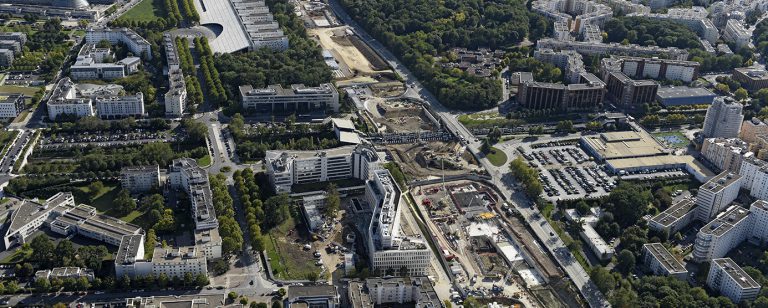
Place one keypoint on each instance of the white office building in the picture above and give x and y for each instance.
(91, 65)
(716, 194)
(661, 262)
(286, 168)
(298, 98)
(11, 105)
(389, 249)
(109, 107)
(723, 119)
(136, 44)
(732, 281)
(140, 179)
(64, 100)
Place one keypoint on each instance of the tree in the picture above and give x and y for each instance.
(196, 131)
(471, 302)
(312, 276)
(65, 253)
(42, 250)
(277, 305)
(83, 284)
(162, 280)
(741, 94)
(633, 239)
(626, 261)
(281, 292)
(485, 147)
(594, 125)
(123, 203)
(565, 126)
(602, 279)
(628, 203)
(333, 201)
(95, 188)
(42, 284)
(277, 209)
(244, 300)
(201, 280)
(232, 295)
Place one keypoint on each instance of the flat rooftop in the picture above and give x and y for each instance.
(720, 181)
(312, 291)
(682, 92)
(623, 144)
(674, 212)
(667, 260)
(736, 273)
(725, 221)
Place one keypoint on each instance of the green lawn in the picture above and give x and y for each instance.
(496, 157)
(204, 161)
(103, 204)
(29, 91)
(147, 10)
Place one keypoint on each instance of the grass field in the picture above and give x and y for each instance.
(497, 157)
(103, 203)
(204, 161)
(672, 139)
(29, 91)
(147, 10)
(286, 257)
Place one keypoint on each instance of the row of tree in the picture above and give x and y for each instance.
(250, 197)
(253, 144)
(210, 74)
(190, 11)
(528, 176)
(231, 235)
(174, 14)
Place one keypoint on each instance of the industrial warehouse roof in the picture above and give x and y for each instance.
(623, 145)
(691, 163)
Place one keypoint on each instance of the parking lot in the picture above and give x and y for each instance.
(566, 171)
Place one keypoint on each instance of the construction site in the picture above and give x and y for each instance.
(488, 249)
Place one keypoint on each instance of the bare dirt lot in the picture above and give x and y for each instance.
(340, 45)
(430, 159)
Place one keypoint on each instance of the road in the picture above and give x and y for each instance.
(500, 175)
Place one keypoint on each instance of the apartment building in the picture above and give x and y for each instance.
(751, 172)
(286, 168)
(654, 68)
(416, 291)
(298, 98)
(722, 234)
(627, 91)
(106, 103)
(177, 261)
(185, 174)
(732, 281)
(661, 262)
(20, 37)
(598, 48)
(140, 178)
(63, 100)
(11, 45)
(752, 78)
(11, 105)
(6, 57)
(736, 33)
(389, 249)
(111, 107)
(176, 97)
(724, 153)
(588, 94)
(716, 194)
(694, 18)
(723, 119)
(752, 128)
(674, 218)
(135, 43)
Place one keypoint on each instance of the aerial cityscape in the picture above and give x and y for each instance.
(378, 153)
